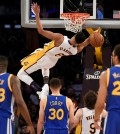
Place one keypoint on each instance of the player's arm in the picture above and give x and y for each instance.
(15, 85)
(101, 99)
(48, 34)
(82, 45)
(41, 116)
(71, 113)
(77, 118)
(104, 113)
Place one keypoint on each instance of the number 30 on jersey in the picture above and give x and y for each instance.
(56, 114)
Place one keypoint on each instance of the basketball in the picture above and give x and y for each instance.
(96, 39)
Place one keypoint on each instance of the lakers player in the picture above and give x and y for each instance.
(85, 116)
(10, 89)
(109, 92)
(47, 57)
(54, 111)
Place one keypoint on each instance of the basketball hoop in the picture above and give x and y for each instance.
(74, 21)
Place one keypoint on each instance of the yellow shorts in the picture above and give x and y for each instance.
(32, 59)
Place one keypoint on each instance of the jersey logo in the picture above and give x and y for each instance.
(115, 75)
(1, 82)
(26, 63)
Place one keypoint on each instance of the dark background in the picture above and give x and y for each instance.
(17, 42)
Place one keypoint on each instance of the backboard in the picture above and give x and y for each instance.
(51, 10)
(50, 13)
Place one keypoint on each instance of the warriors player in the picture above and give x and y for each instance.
(47, 57)
(10, 90)
(55, 110)
(109, 93)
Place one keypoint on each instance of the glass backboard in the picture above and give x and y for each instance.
(51, 10)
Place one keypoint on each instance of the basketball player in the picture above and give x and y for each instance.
(10, 89)
(54, 111)
(109, 92)
(47, 57)
(85, 116)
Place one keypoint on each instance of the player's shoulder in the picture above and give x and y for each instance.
(67, 98)
(84, 109)
(65, 37)
(104, 74)
(69, 101)
(43, 102)
(80, 109)
(14, 79)
(44, 99)
(9, 75)
(79, 112)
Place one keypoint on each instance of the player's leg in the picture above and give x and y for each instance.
(45, 88)
(113, 121)
(6, 126)
(45, 74)
(23, 75)
(3, 123)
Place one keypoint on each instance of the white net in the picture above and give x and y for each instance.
(73, 22)
(73, 26)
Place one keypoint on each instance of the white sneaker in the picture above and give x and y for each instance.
(44, 92)
(39, 94)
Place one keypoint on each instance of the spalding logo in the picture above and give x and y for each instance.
(96, 75)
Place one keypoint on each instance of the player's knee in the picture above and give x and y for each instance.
(20, 73)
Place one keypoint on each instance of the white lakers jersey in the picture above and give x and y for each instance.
(48, 56)
(65, 49)
(52, 55)
(88, 122)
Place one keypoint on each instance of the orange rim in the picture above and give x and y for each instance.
(74, 15)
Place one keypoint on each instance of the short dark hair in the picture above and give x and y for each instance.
(3, 60)
(117, 51)
(55, 83)
(80, 37)
(90, 99)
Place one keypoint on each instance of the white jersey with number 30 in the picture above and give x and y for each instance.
(88, 122)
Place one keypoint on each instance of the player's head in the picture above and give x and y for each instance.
(3, 63)
(90, 99)
(78, 38)
(55, 84)
(116, 55)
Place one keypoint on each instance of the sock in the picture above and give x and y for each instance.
(46, 79)
(35, 86)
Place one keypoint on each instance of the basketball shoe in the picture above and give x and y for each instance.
(44, 92)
